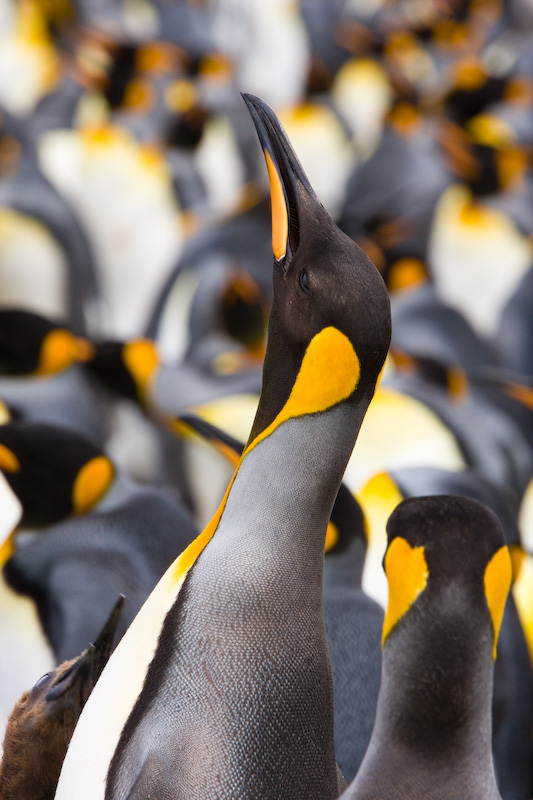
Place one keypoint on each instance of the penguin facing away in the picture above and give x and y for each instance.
(222, 686)
(449, 574)
(43, 720)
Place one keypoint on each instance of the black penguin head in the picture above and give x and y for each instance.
(328, 296)
(125, 367)
(53, 471)
(31, 344)
(43, 720)
(449, 572)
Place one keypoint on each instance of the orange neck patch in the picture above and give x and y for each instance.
(329, 374)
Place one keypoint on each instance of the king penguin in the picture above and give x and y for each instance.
(221, 687)
(449, 574)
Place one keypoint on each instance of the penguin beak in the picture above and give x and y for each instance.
(77, 676)
(286, 177)
(104, 643)
(85, 670)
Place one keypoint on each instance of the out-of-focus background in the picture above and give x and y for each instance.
(134, 214)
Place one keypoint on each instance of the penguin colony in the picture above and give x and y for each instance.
(276, 398)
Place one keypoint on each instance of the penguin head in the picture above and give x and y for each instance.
(449, 573)
(126, 367)
(30, 344)
(330, 305)
(53, 471)
(42, 722)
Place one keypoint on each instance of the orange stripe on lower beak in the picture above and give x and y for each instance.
(280, 215)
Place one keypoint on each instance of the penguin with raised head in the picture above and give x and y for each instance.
(43, 720)
(222, 685)
(449, 574)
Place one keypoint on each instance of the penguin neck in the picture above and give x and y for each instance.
(285, 486)
(435, 703)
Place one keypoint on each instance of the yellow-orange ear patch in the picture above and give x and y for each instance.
(280, 213)
(91, 482)
(497, 581)
(141, 360)
(58, 351)
(407, 574)
(8, 460)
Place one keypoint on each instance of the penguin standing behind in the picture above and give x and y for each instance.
(41, 375)
(449, 574)
(97, 533)
(353, 625)
(221, 687)
(43, 720)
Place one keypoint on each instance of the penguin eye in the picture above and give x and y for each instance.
(304, 281)
(42, 680)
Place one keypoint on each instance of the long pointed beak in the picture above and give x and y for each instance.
(85, 670)
(104, 643)
(285, 173)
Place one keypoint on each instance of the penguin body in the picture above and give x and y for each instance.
(28, 197)
(231, 674)
(432, 736)
(74, 569)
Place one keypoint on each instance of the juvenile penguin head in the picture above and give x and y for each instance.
(53, 471)
(329, 301)
(30, 344)
(43, 720)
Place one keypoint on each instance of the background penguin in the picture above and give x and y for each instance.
(43, 720)
(512, 704)
(53, 471)
(432, 733)
(66, 284)
(41, 373)
(266, 727)
(59, 580)
(71, 569)
(353, 627)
